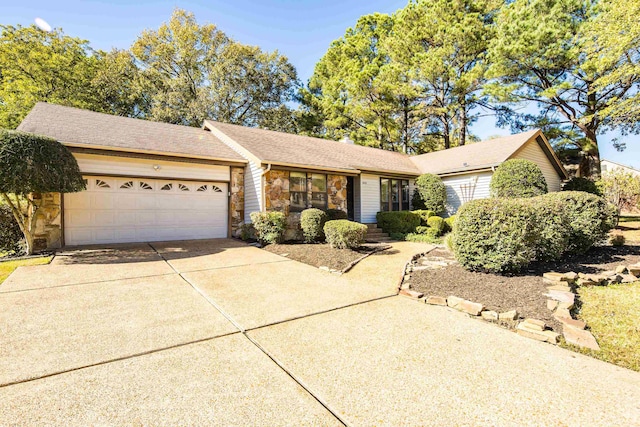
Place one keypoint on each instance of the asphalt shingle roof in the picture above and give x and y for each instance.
(470, 157)
(87, 128)
(284, 148)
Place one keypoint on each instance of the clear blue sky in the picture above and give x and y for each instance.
(300, 29)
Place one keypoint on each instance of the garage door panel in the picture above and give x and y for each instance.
(114, 210)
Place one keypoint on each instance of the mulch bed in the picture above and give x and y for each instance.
(322, 254)
(522, 292)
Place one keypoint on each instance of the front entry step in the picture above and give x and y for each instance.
(375, 234)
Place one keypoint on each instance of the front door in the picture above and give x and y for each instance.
(350, 199)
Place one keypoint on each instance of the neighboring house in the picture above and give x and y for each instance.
(608, 166)
(149, 181)
(466, 171)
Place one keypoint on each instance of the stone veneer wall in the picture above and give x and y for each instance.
(337, 192)
(236, 203)
(48, 233)
(277, 198)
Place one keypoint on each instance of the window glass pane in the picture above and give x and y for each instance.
(384, 194)
(297, 181)
(318, 182)
(405, 195)
(319, 200)
(298, 201)
(395, 195)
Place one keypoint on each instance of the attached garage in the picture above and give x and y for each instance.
(145, 181)
(122, 209)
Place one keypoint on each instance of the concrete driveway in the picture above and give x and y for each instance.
(218, 332)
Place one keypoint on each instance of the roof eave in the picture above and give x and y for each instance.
(153, 152)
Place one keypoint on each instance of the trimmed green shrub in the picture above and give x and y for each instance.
(416, 200)
(436, 223)
(344, 234)
(589, 217)
(10, 234)
(312, 222)
(518, 178)
(398, 221)
(432, 192)
(554, 227)
(424, 215)
(429, 237)
(333, 214)
(269, 226)
(448, 222)
(495, 235)
(581, 184)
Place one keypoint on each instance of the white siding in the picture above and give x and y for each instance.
(252, 190)
(125, 166)
(533, 152)
(608, 166)
(369, 198)
(465, 187)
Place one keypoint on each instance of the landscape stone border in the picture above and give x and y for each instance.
(560, 293)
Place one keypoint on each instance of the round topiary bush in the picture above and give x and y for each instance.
(312, 222)
(432, 192)
(448, 222)
(269, 226)
(589, 218)
(581, 184)
(424, 215)
(554, 227)
(344, 234)
(437, 224)
(10, 234)
(518, 178)
(495, 235)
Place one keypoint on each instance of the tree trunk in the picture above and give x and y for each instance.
(590, 164)
(463, 124)
(27, 223)
(446, 135)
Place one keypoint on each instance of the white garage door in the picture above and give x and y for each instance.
(119, 210)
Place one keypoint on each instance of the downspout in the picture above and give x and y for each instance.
(263, 208)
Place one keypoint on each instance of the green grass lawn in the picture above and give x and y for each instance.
(612, 314)
(6, 268)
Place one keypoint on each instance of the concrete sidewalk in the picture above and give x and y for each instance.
(217, 332)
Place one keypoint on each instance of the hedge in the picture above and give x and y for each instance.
(518, 178)
(424, 215)
(495, 235)
(10, 234)
(505, 235)
(437, 224)
(312, 222)
(449, 223)
(344, 234)
(269, 226)
(398, 221)
(432, 192)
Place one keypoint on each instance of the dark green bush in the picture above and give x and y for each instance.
(416, 200)
(10, 234)
(437, 224)
(269, 226)
(312, 222)
(553, 227)
(398, 221)
(424, 215)
(448, 222)
(343, 234)
(397, 236)
(581, 184)
(432, 192)
(589, 218)
(518, 178)
(247, 232)
(496, 235)
(333, 214)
